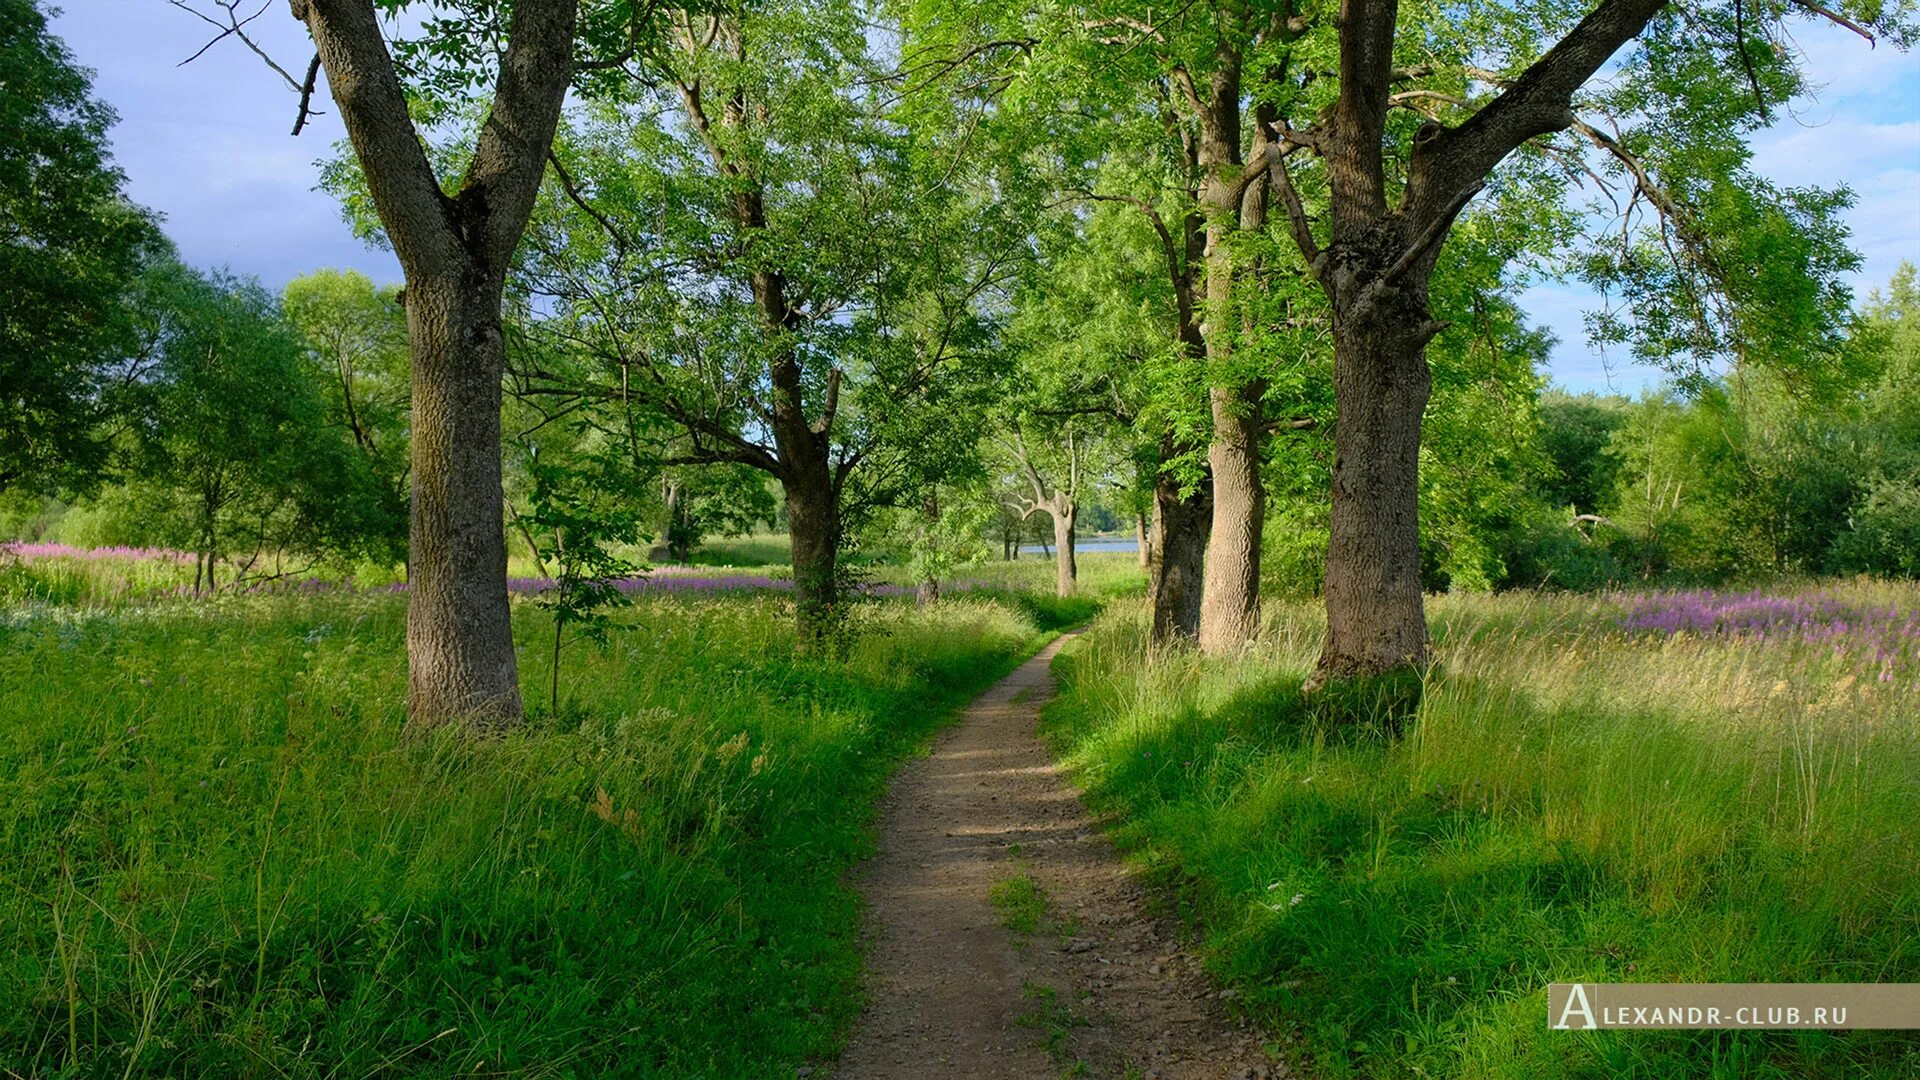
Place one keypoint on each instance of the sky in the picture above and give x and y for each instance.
(207, 145)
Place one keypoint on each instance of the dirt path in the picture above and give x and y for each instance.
(1098, 984)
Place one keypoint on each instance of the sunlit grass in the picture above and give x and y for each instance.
(1571, 803)
(1100, 573)
(218, 856)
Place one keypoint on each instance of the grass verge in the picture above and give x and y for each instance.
(218, 858)
(1568, 804)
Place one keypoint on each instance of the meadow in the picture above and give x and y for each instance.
(220, 857)
(1686, 787)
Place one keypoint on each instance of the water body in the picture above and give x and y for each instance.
(1126, 543)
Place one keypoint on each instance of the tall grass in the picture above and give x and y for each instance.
(1099, 574)
(218, 857)
(768, 549)
(1573, 802)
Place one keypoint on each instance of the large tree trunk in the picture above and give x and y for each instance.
(1180, 557)
(1066, 574)
(1375, 269)
(459, 633)
(454, 250)
(1375, 619)
(1230, 608)
(813, 524)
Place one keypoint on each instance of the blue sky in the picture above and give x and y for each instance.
(207, 145)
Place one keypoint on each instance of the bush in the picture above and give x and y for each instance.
(1293, 550)
(1884, 538)
(1547, 551)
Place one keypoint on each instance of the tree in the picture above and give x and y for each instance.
(1733, 263)
(356, 337)
(1794, 471)
(1883, 522)
(581, 512)
(697, 501)
(1575, 429)
(231, 455)
(455, 249)
(71, 251)
(1058, 498)
(1105, 331)
(748, 242)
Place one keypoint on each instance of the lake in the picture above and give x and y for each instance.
(1118, 543)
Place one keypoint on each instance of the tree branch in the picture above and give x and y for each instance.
(1538, 102)
(413, 209)
(306, 95)
(1430, 237)
(1280, 177)
(825, 423)
(235, 27)
(573, 194)
(1355, 168)
(1835, 18)
(510, 155)
(1661, 199)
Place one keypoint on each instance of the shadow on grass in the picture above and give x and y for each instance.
(1395, 906)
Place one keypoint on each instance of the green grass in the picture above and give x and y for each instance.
(774, 549)
(1098, 574)
(94, 582)
(1568, 805)
(1021, 903)
(218, 858)
(1053, 1022)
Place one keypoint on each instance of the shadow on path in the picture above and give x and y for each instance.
(1100, 987)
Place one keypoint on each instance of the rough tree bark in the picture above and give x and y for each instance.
(1375, 616)
(1375, 270)
(804, 449)
(813, 524)
(1066, 572)
(454, 251)
(1230, 605)
(1180, 554)
(1181, 522)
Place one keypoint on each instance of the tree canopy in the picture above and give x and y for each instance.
(71, 250)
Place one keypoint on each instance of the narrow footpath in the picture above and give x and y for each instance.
(987, 831)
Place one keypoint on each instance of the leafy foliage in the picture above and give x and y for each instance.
(71, 250)
(581, 513)
(232, 454)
